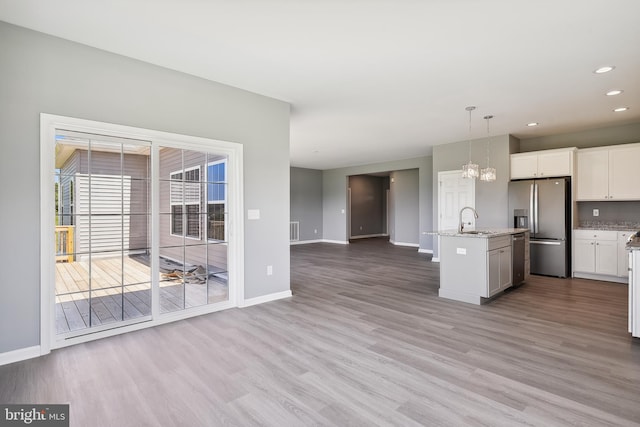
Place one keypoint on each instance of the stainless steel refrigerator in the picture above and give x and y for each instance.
(544, 207)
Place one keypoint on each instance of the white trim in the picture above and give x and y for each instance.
(367, 236)
(411, 245)
(601, 277)
(425, 251)
(304, 242)
(235, 262)
(265, 298)
(338, 242)
(20, 355)
(435, 259)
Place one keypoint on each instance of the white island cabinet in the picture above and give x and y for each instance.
(474, 267)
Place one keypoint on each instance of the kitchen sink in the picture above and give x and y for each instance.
(480, 232)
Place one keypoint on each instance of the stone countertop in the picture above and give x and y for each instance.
(609, 228)
(484, 233)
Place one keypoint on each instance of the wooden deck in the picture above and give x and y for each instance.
(110, 300)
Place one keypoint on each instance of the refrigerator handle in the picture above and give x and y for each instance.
(535, 208)
(531, 211)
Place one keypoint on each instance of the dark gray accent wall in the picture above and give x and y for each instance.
(334, 191)
(405, 194)
(44, 74)
(368, 205)
(609, 212)
(491, 198)
(612, 135)
(306, 202)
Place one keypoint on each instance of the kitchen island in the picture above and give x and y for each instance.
(478, 265)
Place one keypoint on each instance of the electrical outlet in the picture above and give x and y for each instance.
(269, 270)
(596, 212)
(360, 228)
(315, 231)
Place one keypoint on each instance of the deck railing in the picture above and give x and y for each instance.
(64, 243)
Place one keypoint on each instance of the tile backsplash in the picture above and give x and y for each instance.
(612, 214)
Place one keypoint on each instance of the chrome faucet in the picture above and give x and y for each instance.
(475, 214)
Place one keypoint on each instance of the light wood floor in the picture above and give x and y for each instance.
(364, 341)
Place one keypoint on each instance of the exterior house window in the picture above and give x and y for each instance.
(185, 202)
(216, 199)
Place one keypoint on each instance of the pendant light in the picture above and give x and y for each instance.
(488, 174)
(470, 170)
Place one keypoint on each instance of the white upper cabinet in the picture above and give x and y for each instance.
(542, 164)
(608, 173)
(592, 175)
(623, 173)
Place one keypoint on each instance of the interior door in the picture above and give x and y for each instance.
(454, 193)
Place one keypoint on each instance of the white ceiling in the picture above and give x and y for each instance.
(379, 80)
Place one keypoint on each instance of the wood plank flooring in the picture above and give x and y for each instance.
(364, 341)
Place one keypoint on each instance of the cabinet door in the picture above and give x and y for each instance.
(505, 268)
(524, 166)
(593, 175)
(623, 173)
(584, 256)
(493, 272)
(555, 164)
(607, 257)
(623, 256)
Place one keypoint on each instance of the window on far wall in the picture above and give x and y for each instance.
(185, 202)
(216, 199)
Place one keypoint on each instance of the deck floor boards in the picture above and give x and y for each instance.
(72, 286)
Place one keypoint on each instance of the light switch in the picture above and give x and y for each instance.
(596, 212)
(253, 214)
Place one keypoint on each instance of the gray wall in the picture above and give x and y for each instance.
(306, 202)
(46, 74)
(334, 191)
(612, 135)
(491, 198)
(368, 205)
(405, 194)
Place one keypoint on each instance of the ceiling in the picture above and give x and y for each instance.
(377, 80)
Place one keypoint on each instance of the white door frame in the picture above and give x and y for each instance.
(234, 152)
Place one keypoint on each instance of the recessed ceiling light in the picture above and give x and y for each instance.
(604, 69)
(614, 92)
(621, 109)
(532, 124)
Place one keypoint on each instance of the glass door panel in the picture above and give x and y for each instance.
(102, 224)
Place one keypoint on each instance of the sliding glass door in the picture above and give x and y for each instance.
(141, 231)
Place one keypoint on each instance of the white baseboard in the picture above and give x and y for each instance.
(425, 251)
(601, 277)
(304, 242)
(411, 245)
(265, 298)
(19, 355)
(338, 242)
(367, 236)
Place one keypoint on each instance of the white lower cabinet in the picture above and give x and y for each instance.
(600, 254)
